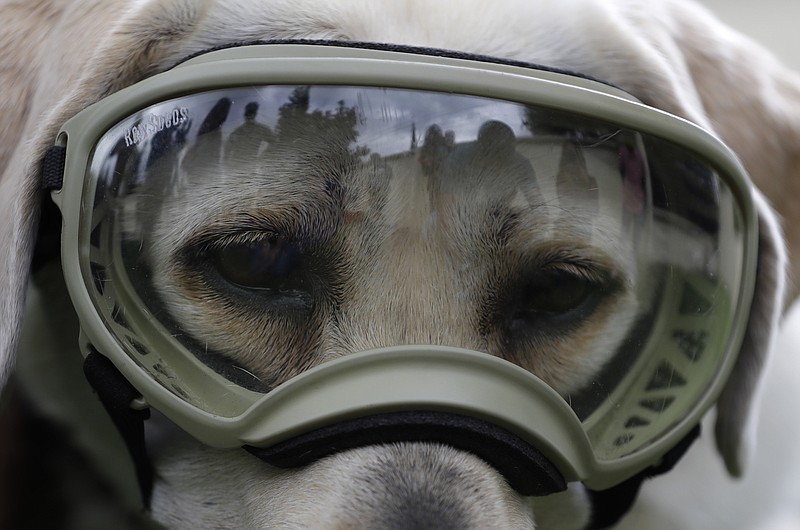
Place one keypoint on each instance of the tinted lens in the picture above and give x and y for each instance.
(239, 237)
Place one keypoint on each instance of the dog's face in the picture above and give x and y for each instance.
(311, 251)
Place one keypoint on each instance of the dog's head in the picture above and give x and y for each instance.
(298, 227)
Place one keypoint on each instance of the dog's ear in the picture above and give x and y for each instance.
(680, 58)
(120, 49)
(737, 412)
(730, 84)
(753, 103)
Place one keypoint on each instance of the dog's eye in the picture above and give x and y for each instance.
(556, 292)
(555, 297)
(268, 264)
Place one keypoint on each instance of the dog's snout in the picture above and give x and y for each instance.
(420, 486)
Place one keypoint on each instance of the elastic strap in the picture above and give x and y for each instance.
(48, 239)
(609, 506)
(53, 168)
(116, 395)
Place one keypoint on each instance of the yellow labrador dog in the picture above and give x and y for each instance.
(61, 57)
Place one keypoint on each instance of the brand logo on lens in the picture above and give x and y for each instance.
(154, 124)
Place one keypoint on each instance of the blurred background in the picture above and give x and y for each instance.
(774, 23)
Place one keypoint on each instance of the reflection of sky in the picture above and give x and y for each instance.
(386, 116)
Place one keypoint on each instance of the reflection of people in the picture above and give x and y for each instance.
(489, 168)
(207, 148)
(496, 140)
(215, 118)
(247, 141)
(167, 142)
(632, 168)
(574, 184)
(433, 151)
(450, 141)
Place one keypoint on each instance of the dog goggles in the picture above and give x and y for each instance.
(275, 239)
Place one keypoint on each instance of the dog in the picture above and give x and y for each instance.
(671, 54)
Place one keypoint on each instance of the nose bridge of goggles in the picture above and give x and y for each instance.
(465, 399)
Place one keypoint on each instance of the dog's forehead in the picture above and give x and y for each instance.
(410, 21)
(510, 29)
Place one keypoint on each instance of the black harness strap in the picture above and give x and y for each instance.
(609, 506)
(48, 239)
(116, 395)
(114, 391)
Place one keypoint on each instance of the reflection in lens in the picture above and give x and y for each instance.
(268, 229)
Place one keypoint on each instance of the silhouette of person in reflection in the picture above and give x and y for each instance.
(497, 141)
(490, 168)
(215, 118)
(250, 138)
(206, 151)
(450, 141)
(165, 145)
(433, 151)
(574, 185)
(632, 168)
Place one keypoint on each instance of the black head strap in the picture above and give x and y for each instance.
(48, 239)
(116, 394)
(609, 506)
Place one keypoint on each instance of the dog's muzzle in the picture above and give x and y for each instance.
(605, 247)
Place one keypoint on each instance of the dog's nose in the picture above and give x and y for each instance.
(421, 486)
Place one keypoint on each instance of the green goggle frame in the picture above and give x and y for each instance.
(596, 449)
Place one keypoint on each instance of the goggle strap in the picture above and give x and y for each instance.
(610, 505)
(116, 394)
(48, 237)
(53, 168)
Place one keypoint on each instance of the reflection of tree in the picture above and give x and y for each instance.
(335, 129)
(552, 123)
